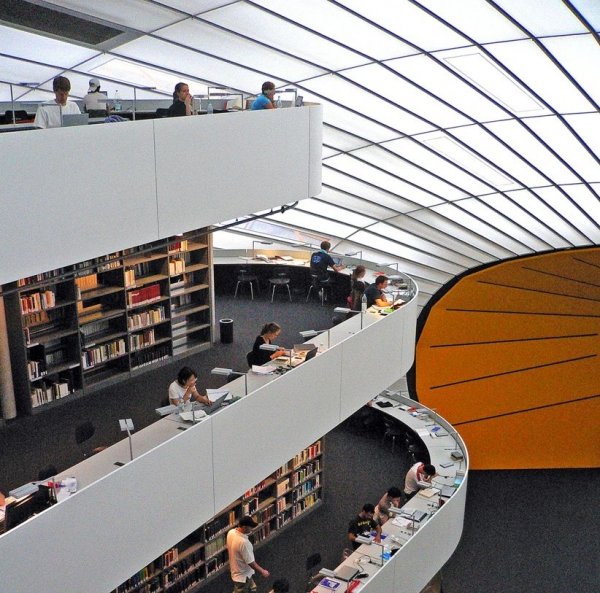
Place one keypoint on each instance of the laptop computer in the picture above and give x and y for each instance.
(75, 119)
(214, 406)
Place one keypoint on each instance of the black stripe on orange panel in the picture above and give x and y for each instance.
(573, 336)
(553, 274)
(538, 291)
(522, 370)
(456, 309)
(589, 263)
(525, 410)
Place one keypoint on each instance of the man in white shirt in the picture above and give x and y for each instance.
(241, 557)
(419, 476)
(49, 115)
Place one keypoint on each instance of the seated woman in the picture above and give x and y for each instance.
(268, 333)
(358, 287)
(265, 99)
(182, 101)
(183, 389)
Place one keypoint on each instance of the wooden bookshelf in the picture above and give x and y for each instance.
(283, 498)
(75, 329)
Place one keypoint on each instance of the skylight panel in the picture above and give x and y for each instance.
(575, 225)
(341, 26)
(494, 81)
(479, 20)
(409, 97)
(382, 179)
(135, 14)
(426, 72)
(430, 160)
(363, 101)
(354, 203)
(589, 10)
(279, 34)
(529, 63)
(390, 162)
(557, 18)
(527, 146)
(587, 126)
(486, 229)
(333, 212)
(342, 140)
(590, 204)
(561, 139)
(209, 39)
(580, 56)
(317, 224)
(409, 22)
(18, 71)
(534, 222)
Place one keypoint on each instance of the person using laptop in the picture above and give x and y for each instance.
(374, 292)
(242, 564)
(269, 333)
(363, 524)
(182, 101)
(392, 498)
(49, 114)
(183, 389)
(416, 478)
(266, 99)
(94, 102)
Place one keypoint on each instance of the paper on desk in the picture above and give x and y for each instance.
(405, 523)
(187, 416)
(428, 492)
(214, 394)
(263, 370)
(422, 432)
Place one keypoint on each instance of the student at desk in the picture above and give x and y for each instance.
(374, 292)
(182, 101)
(183, 389)
(265, 99)
(358, 287)
(94, 102)
(392, 498)
(320, 261)
(269, 332)
(49, 115)
(418, 474)
(363, 524)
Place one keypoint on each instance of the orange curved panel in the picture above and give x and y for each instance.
(511, 356)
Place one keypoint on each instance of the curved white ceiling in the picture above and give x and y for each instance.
(455, 133)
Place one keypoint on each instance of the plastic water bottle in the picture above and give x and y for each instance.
(117, 103)
(387, 553)
(209, 108)
(363, 303)
(279, 102)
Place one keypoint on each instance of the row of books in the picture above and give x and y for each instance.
(260, 486)
(48, 392)
(84, 283)
(217, 525)
(129, 277)
(36, 369)
(93, 356)
(147, 317)
(282, 503)
(150, 356)
(283, 518)
(307, 454)
(144, 295)
(266, 514)
(178, 582)
(170, 557)
(35, 319)
(262, 532)
(56, 357)
(176, 266)
(138, 341)
(38, 301)
(95, 327)
(304, 504)
(250, 506)
(40, 277)
(215, 545)
(146, 580)
(283, 487)
(178, 245)
(303, 473)
(307, 487)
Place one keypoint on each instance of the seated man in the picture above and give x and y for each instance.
(49, 114)
(374, 292)
(392, 498)
(418, 475)
(320, 261)
(363, 524)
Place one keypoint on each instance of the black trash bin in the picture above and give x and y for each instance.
(226, 330)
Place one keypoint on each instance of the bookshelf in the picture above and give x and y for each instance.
(79, 328)
(276, 502)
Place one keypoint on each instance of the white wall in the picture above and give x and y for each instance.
(95, 540)
(71, 194)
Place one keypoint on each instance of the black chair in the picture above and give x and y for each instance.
(394, 431)
(20, 115)
(162, 112)
(47, 472)
(83, 433)
(280, 278)
(249, 358)
(319, 286)
(244, 277)
(312, 562)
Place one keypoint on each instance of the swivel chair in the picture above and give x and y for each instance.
(393, 430)
(83, 433)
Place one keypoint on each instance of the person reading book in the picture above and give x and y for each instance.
(374, 292)
(268, 334)
(183, 389)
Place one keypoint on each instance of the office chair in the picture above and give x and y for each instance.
(392, 430)
(20, 115)
(280, 278)
(162, 112)
(312, 575)
(83, 433)
(245, 277)
(249, 359)
(47, 472)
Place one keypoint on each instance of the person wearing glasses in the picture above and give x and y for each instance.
(266, 100)
(269, 333)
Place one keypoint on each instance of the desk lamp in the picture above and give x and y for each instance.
(274, 348)
(254, 246)
(126, 425)
(228, 372)
(346, 310)
(390, 265)
(311, 333)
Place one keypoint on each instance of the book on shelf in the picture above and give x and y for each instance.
(144, 295)
(176, 266)
(38, 301)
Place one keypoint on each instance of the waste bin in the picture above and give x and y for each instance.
(226, 330)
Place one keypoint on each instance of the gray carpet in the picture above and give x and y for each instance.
(524, 531)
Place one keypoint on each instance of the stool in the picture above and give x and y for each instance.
(243, 277)
(280, 279)
(392, 430)
(319, 288)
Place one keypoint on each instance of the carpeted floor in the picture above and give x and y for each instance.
(524, 531)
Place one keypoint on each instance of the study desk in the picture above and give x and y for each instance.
(424, 549)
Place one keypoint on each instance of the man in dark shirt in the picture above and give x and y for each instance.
(374, 292)
(321, 260)
(363, 524)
